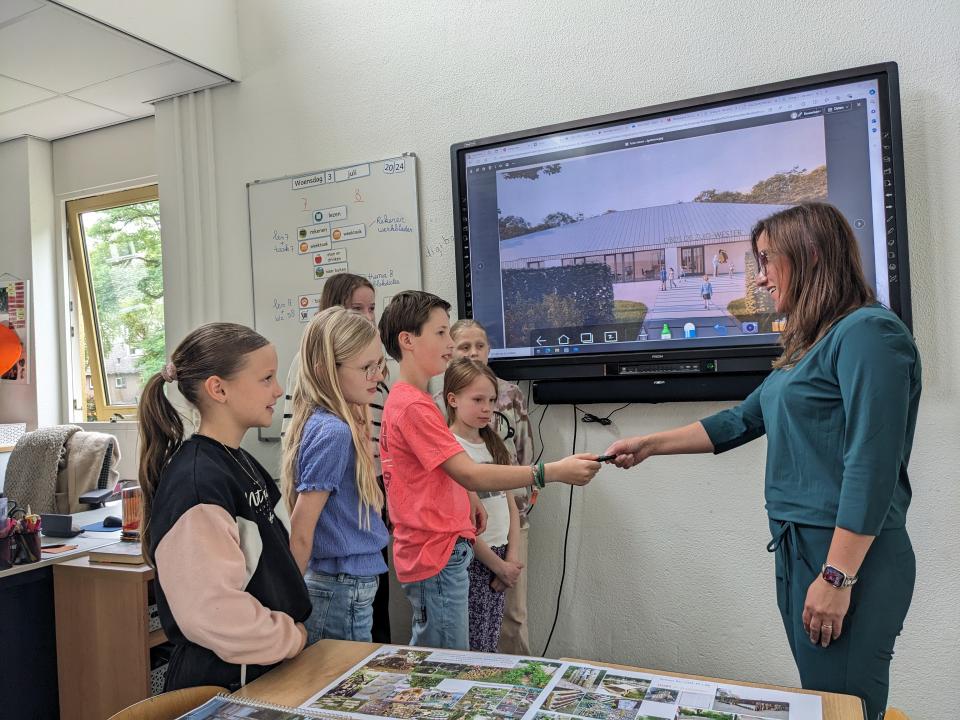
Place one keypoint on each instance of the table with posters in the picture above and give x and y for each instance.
(444, 685)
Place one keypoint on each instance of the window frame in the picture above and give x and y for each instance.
(89, 326)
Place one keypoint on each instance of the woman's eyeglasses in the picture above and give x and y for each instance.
(762, 260)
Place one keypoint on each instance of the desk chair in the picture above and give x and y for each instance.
(169, 705)
(61, 468)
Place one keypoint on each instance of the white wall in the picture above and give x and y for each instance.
(114, 158)
(667, 564)
(28, 252)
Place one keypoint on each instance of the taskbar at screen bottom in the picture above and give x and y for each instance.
(651, 343)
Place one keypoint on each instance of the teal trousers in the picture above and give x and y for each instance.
(858, 662)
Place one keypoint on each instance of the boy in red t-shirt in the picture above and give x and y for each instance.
(428, 475)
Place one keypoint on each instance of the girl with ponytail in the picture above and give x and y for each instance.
(230, 597)
(470, 395)
(328, 476)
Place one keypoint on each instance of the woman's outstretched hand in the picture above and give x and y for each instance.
(628, 452)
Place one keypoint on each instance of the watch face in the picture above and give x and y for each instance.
(833, 576)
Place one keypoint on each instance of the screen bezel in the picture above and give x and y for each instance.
(592, 365)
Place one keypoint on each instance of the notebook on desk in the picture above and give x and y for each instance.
(125, 552)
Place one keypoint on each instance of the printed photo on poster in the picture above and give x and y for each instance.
(14, 315)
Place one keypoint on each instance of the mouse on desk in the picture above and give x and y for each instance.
(112, 521)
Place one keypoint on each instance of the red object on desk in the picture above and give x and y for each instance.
(10, 348)
(57, 549)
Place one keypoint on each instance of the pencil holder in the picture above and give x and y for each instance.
(26, 548)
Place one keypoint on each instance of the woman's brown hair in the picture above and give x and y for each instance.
(826, 274)
(339, 289)
(460, 373)
(214, 349)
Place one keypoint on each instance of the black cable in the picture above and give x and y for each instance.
(540, 432)
(605, 420)
(566, 538)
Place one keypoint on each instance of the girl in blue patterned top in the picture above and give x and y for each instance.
(328, 475)
(839, 412)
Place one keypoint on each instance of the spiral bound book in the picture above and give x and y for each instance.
(223, 707)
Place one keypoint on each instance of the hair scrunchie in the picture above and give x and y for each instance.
(169, 373)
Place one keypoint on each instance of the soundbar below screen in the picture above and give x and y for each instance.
(612, 238)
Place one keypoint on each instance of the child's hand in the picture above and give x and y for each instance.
(478, 513)
(509, 572)
(573, 470)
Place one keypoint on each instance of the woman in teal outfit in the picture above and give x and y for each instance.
(839, 411)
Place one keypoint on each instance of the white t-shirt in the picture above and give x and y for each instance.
(495, 503)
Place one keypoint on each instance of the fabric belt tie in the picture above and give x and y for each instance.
(786, 543)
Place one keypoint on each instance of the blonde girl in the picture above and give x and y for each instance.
(229, 594)
(470, 394)
(328, 476)
(511, 422)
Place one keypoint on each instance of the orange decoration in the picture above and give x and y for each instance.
(10, 348)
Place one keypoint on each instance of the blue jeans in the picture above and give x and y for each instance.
(342, 606)
(440, 603)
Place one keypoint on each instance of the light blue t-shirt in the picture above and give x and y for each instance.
(327, 462)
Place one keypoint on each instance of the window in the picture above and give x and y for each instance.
(116, 260)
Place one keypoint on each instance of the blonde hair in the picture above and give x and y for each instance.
(334, 336)
(460, 373)
(466, 324)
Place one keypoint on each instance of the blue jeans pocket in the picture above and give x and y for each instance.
(342, 606)
(320, 599)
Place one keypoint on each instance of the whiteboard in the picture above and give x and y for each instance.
(306, 228)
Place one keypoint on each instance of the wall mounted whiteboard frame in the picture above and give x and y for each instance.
(361, 218)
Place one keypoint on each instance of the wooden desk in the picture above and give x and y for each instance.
(28, 620)
(103, 642)
(322, 663)
(84, 543)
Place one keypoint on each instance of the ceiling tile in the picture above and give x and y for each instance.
(62, 51)
(14, 94)
(56, 118)
(131, 93)
(10, 9)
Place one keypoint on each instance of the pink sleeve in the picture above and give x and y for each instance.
(427, 435)
(203, 573)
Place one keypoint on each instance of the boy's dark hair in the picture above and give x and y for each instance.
(407, 312)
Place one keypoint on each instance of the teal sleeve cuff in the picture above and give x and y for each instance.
(737, 426)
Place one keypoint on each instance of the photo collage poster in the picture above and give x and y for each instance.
(405, 682)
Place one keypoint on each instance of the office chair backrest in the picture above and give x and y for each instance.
(52, 467)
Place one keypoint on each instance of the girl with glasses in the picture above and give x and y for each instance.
(356, 293)
(328, 475)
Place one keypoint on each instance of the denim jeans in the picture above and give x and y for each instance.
(440, 603)
(342, 606)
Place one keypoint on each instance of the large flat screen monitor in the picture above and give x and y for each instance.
(618, 247)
